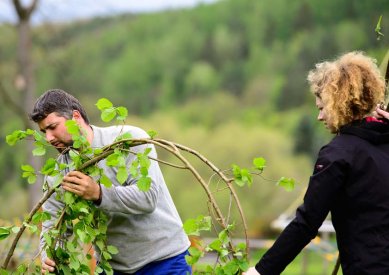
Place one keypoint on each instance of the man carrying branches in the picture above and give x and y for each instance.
(144, 226)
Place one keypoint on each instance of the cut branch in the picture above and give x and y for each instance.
(174, 149)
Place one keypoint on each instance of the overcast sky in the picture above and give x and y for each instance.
(66, 10)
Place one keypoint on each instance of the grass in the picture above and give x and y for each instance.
(308, 262)
(311, 261)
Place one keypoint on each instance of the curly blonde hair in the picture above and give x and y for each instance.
(350, 87)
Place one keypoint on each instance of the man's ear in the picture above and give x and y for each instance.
(77, 116)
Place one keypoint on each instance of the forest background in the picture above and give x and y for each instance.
(227, 79)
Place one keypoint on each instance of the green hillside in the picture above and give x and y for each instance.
(227, 79)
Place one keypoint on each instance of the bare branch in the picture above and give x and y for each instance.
(24, 13)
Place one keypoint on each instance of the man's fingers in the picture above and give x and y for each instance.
(48, 265)
(76, 174)
(72, 179)
(72, 188)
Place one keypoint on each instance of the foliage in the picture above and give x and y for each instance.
(89, 224)
(208, 49)
(254, 54)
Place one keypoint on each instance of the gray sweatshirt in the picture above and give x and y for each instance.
(144, 226)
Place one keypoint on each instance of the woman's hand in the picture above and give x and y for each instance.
(251, 271)
(380, 113)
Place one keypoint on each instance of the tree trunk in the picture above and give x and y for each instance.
(27, 87)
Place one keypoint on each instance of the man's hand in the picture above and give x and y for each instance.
(48, 265)
(251, 271)
(81, 185)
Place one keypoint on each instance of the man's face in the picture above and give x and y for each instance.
(53, 126)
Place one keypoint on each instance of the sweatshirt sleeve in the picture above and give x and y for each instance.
(128, 198)
(329, 175)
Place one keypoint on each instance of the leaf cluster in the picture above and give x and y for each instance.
(89, 225)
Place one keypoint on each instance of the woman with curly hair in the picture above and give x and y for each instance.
(351, 176)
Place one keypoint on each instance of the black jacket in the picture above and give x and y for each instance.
(350, 180)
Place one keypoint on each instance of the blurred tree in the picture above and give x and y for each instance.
(24, 83)
(304, 19)
(201, 80)
(304, 136)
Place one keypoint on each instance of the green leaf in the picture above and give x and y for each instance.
(112, 249)
(31, 179)
(49, 167)
(72, 127)
(85, 269)
(11, 140)
(242, 176)
(195, 255)
(144, 171)
(18, 135)
(103, 104)
(122, 113)
(97, 151)
(5, 272)
(69, 197)
(100, 244)
(99, 270)
(29, 173)
(190, 260)
(194, 226)
(22, 269)
(4, 232)
(144, 183)
(47, 239)
(259, 163)
(37, 217)
(37, 136)
(191, 227)
(39, 151)
(231, 267)
(144, 161)
(147, 151)
(122, 175)
(74, 263)
(45, 216)
(65, 269)
(112, 160)
(104, 180)
(243, 265)
(108, 114)
(85, 238)
(28, 168)
(287, 183)
(240, 247)
(124, 136)
(378, 28)
(33, 228)
(239, 182)
(15, 229)
(223, 237)
(152, 133)
(106, 255)
(71, 247)
(216, 245)
(134, 169)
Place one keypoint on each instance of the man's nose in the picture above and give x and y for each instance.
(49, 136)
